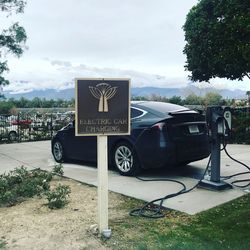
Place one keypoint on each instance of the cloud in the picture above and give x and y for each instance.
(61, 63)
(108, 33)
(57, 74)
(60, 74)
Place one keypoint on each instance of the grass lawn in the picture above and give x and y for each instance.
(224, 227)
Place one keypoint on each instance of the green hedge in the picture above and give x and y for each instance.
(240, 128)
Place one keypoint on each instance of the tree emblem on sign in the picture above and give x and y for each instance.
(103, 92)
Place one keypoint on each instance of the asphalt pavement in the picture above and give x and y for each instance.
(38, 154)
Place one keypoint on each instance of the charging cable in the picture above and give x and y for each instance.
(152, 210)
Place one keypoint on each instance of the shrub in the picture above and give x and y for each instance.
(2, 244)
(21, 183)
(57, 198)
(58, 169)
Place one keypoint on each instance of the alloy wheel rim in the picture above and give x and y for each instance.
(124, 159)
(58, 151)
(12, 136)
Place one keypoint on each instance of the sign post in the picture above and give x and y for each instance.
(102, 109)
(102, 164)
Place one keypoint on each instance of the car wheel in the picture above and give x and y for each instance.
(125, 159)
(58, 152)
(12, 136)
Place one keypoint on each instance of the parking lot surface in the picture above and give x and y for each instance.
(38, 154)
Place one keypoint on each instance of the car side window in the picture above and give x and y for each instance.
(136, 113)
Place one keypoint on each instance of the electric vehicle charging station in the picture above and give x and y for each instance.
(219, 122)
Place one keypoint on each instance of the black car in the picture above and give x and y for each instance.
(162, 134)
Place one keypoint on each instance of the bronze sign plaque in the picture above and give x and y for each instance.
(102, 106)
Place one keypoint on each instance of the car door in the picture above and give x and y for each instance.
(80, 147)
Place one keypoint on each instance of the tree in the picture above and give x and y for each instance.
(248, 97)
(12, 40)
(5, 107)
(217, 34)
(175, 100)
(193, 99)
(212, 98)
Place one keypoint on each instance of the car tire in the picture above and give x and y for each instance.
(58, 152)
(125, 159)
(12, 136)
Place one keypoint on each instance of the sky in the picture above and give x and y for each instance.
(138, 39)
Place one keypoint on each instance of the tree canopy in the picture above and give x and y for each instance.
(12, 40)
(217, 34)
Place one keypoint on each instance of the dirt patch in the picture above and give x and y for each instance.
(32, 225)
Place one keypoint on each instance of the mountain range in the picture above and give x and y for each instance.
(69, 93)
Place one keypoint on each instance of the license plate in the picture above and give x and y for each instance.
(193, 129)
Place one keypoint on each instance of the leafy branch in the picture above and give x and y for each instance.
(11, 5)
(12, 40)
